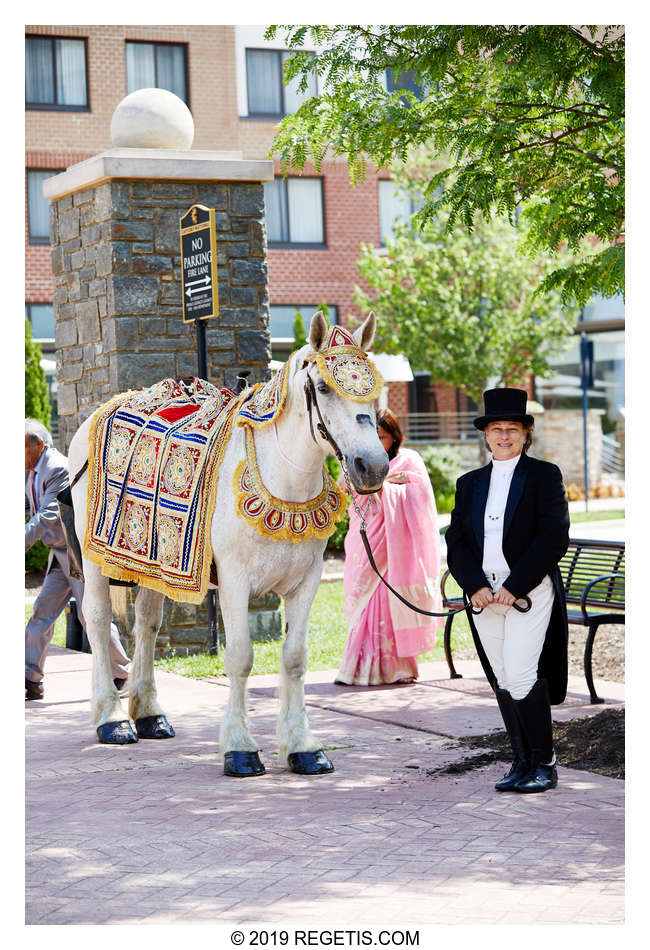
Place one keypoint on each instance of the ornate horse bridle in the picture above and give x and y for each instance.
(311, 400)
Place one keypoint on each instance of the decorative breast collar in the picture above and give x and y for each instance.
(276, 518)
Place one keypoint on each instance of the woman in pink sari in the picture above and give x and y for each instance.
(385, 636)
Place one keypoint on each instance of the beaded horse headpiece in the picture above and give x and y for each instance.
(343, 365)
(346, 368)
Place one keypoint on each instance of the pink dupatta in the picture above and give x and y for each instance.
(403, 533)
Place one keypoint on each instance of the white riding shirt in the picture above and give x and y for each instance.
(494, 561)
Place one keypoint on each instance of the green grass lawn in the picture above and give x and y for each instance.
(609, 515)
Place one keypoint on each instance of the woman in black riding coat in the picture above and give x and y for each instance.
(509, 529)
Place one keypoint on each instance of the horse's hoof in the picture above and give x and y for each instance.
(154, 727)
(242, 764)
(309, 763)
(116, 733)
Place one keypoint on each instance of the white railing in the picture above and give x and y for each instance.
(613, 461)
(438, 426)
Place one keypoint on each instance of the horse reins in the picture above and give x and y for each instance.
(310, 396)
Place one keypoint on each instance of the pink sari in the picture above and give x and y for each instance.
(385, 636)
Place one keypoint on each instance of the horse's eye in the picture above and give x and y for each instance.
(323, 388)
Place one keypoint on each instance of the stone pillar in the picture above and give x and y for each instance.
(114, 227)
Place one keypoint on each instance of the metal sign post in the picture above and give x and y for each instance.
(587, 382)
(200, 303)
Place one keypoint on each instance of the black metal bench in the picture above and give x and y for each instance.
(593, 573)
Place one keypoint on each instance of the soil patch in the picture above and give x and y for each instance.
(591, 744)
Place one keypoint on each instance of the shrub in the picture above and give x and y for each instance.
(36, 558)
(299, 332)
(444, 464)
(37, 399)
(37, 406)
(337, 540)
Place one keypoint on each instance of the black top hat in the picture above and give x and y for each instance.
(504, 405)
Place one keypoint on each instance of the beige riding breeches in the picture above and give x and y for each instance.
(512, 640)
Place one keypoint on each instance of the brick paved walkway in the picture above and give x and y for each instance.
(155, 833)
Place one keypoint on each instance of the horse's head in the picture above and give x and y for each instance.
(344, 385)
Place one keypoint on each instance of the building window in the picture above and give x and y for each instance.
(601, 309)
(267, 95)
(38, 210)
(158, 66)
(294, 211)
(404, 80)
(41, 317)
(55, 73)
(395, 205)
(284, 315)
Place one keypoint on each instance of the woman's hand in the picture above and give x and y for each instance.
(482, 597)
(399, 478)
(504, 597)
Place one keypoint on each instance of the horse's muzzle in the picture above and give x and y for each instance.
(368, 472)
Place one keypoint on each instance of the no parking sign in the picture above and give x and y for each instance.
(199, 256)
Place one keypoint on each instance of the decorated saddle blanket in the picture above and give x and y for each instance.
(153, 465)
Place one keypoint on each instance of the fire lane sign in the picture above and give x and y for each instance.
(199, 256)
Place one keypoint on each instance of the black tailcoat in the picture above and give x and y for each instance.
(535, 538)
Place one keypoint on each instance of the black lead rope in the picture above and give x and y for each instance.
(79, 474)
(431, 613)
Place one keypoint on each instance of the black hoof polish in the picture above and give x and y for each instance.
(309, 763)
(242, 764)
(116, 733)
(154, 727)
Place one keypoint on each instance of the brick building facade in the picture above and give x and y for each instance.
(215, 87)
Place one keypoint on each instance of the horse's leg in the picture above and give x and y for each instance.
(113, 727)
(144, 708)
(302, 752)
(240, 751)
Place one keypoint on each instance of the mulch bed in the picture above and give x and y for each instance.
(592, 744)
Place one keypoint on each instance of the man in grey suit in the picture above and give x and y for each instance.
(46, 474)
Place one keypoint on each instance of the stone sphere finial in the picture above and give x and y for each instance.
(152, 118)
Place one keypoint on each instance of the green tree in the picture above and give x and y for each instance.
(532, 115)
(37, 399)
(299, 332)
(462, 304)
(37, 406)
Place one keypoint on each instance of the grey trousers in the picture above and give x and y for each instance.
(57, 589)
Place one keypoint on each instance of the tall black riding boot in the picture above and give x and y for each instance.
(520, 753)
(535, 715)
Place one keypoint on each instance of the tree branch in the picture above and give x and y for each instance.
(541, 105)
(594, 47)
(555, 138)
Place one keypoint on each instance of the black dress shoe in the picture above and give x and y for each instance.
(34, 690)
(535, 714)
(539, 778)
(518, 769)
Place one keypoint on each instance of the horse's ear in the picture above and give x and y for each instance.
(366, 332)
(318, 331)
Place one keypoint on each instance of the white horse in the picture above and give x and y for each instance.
(248, 565)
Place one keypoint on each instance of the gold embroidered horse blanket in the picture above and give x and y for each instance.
(153, 465)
